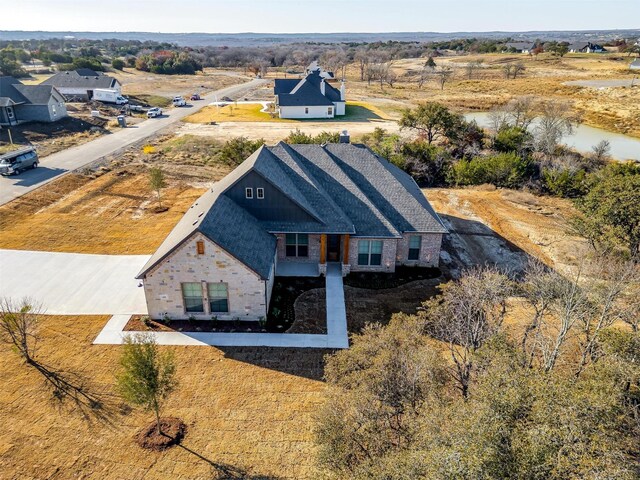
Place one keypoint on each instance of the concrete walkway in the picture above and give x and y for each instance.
(336, 337)
(74, 283)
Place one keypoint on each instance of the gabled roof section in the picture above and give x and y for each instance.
(36, 94)
(9, 94)
(72, 79)
(284, 85)
(226, 224)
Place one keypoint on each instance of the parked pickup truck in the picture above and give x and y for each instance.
(13, 163)
(109, 96)
(196, 96)
(179, 102)
(154, 112)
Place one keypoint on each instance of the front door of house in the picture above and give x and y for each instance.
(333, 248)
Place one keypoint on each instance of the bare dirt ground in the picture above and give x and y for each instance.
(136, 83)
(274, 132)
(505, 227)
(249, 412)
(615, 109)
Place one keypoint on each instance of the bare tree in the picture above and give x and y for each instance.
(443, 75)
(467, 314)
(556, 120)
(512, 70)
(608, 282)
(602, 151)
(471, 67)
(362, 58)
(522, 111)
(19, 326)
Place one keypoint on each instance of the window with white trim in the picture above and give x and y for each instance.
(192, 296)
(330, 110)
(248, 192)
(297, 245)
(218, 297)
(415, 242)
(369, 252)
(260, 193)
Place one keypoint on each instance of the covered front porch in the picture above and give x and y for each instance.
(330, 249)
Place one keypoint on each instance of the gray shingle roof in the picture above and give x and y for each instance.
(72, 79)
(305, 92)
(36, 94)
(228, 225)
(345, 187)
(13, 92)
(9, 94)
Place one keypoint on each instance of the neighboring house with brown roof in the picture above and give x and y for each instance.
(78, 85)
(29, 103)
(293, 208)
(310, 97)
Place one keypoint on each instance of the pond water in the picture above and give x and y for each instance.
(623, 147)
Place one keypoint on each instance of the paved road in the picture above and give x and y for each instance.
(74, 283)
(62, 162)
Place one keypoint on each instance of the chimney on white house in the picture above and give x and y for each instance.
(323, 87)
(342, 90)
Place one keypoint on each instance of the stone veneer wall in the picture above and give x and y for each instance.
(429, 250)
(163, 290)
(388, 263)
(314, 250)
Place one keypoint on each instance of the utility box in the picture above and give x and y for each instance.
(122, 121)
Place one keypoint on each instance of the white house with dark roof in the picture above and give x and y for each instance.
(78, 85)
(310, 97)
(289, 208)
(21, 103)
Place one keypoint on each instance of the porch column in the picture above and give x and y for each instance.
(345, 253)
(323, 248)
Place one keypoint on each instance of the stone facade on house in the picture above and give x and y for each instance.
(429, 250)
(247, 292)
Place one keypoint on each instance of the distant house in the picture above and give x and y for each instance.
(586, 47)
(309, 97)
(289, 210)
(29, 103)
(315, 67)
(78, 85)
(519, 47)
(635, 65)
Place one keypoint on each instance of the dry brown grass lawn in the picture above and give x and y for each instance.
(250, 409)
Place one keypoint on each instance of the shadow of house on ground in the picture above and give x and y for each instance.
(302, 362)
(471, 244)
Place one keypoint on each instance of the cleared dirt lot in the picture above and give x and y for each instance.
(247, 410)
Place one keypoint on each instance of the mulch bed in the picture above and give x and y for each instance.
(142, 323)
(382, 280)
(172, 431)
(286, 290)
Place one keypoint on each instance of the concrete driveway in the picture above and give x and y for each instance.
(74, 283)
(65, 161)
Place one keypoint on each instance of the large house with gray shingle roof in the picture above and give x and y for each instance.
(310, 97)
(21, 103)
(290, 208)
(78, 85)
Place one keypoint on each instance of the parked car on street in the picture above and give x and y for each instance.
(179, 102)
(154, 112)
(196, 96)
(13, 163)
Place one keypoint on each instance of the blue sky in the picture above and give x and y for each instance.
(299, 16)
